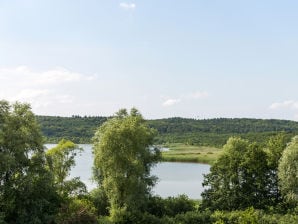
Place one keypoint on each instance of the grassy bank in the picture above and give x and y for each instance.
(180, 152)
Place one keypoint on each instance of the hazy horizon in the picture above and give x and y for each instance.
(73, 115)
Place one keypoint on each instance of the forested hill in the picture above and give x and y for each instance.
(213, 132)
(76, 128)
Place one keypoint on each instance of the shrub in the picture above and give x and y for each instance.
(78, 211)
(170, 206)
(194, 218)
(248, 216)
(100, 201)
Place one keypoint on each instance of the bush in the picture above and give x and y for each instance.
(170, 206)
(78, 211)
(194, 218)
(100, 201)
(248, 216)
(139, 218)
(279, 219)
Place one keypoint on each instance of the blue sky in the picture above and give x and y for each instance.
(193, 58)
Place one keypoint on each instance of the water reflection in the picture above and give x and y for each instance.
(174, 178)
(180, 178)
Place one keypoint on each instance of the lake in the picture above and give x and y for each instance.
(175, 178)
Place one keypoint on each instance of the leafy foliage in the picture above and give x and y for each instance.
(34, 185)
(252, 216)
(192, 217)
(78, 211)
(124, 158)
(170, 206)
(99, 198)
(27, 194)
(60, 160)
(239, 178)
(288, 172)
(274, 149)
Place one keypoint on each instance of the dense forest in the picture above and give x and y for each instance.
(207, 132)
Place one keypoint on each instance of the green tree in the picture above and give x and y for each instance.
(123, 158)
(274, 149)
(288, 172)
(27, 194)
(60, 160)
(238, 179)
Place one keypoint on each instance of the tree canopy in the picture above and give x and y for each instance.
(27, 194)
(123, 159)
(288, 172)
(242, 177)
(60, 160)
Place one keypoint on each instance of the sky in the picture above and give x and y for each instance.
(194, 58)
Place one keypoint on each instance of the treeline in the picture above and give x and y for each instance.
(76, 128)
(215, 132)
(207, 132)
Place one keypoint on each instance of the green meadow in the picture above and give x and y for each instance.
(179, 152)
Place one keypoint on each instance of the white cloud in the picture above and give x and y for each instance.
(29, 94)
(45, 90)
(185, 97)
(30, 77)
(127, 6)
(59, 75)
(288, 104)
(40, 98)
(170, 102)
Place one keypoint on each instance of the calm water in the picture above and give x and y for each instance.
(174, 178)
